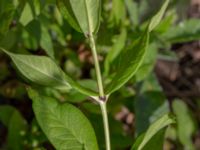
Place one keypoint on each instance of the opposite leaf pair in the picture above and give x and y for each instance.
(65, 126)
(45, 72)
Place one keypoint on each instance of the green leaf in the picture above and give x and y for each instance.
(39, 69)
(83, 15)
(115, 50)
(16, 124)
(185, 123)
(132, 8)
(32, 34)
(166, 23)
(82, 89)
(7, 9)
(154, 128)
(39, 33)
(188, 30)
(153, 106)
(157, 141)
(151, 84)
(118, 12)
(130, 61)
(67, 12)
(46, 42)
(44, 71)
(157, 18)
(133, 56)
(30, 11)
(27, 15)
(149, 61)
(64, 125)
(16, 129)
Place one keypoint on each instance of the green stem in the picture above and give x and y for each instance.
(102, 99)
(97, 68)
(106, 124)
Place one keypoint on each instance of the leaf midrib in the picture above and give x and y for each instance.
(90, 26)
(35, 68)
(163, 123)
(63, 126)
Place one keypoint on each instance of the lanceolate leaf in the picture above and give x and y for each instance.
(157, 126)
(64, 125)
(43, 71)
(82, 14)
(132, 57)
(66, 10)
(130, 61)
(39, 69)
(158, 17)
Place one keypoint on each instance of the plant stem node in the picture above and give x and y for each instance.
(102, 98)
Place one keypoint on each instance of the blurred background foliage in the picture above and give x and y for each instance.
(167, 81)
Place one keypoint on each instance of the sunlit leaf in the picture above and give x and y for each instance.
(39, 69)
(44, 71)
(27, 15)
(64, 125)
(30, 11)
(132, 57)
(83, 15)
(153, 129)
(157, 18)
